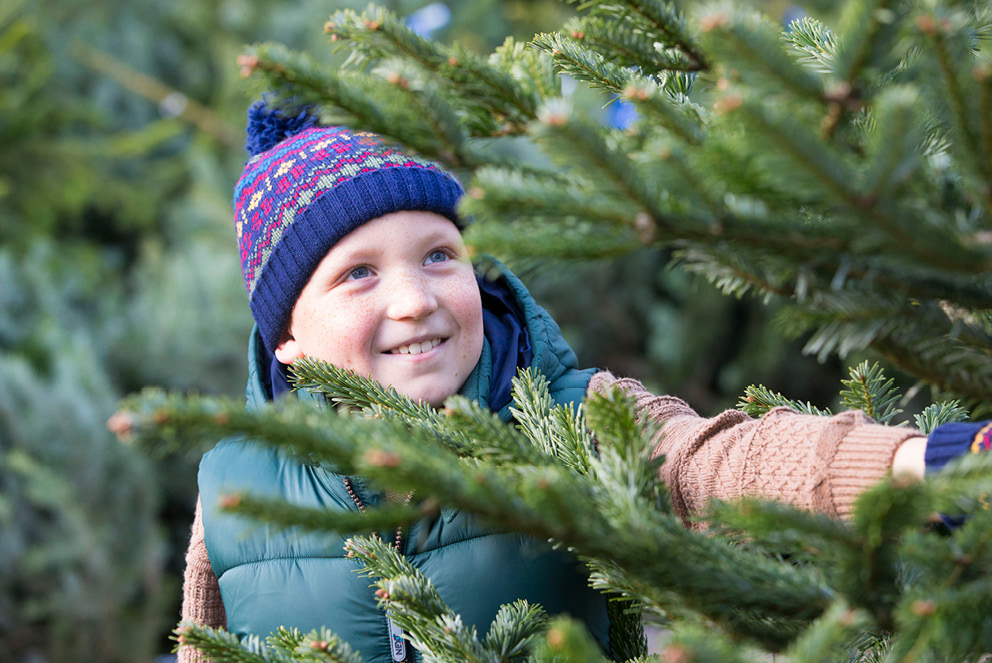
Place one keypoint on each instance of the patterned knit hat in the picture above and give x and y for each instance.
(304, 189)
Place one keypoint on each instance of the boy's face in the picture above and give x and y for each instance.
(395, 300)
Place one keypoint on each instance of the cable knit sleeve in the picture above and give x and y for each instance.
(201, 593)
(818, 463)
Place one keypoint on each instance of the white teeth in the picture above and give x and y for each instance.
(417, 348)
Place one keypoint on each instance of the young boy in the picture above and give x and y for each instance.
(352, 253)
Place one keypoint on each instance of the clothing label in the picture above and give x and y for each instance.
(397, 641)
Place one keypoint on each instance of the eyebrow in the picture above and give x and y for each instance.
(362, 254)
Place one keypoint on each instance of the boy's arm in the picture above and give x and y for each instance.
(201, 593)
(819, 463)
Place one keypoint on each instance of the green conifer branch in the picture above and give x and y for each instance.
(284, 646)
(675, 113)
(869, 390)
(515, 631)
(567, 641)
(585, 64)
(608, 577)
(627, 639)
(415, 606)
(758, 400)
(869, 574)
(700, 643)
(345, 387)
(814, 43)
(441, 122)
(379, 34)
(491, 438)
(782, 528)
(557, 431)
(624, 46)
(733, 273)
(567, 238)
(937, 414)
(284, 515)
(501, 193)
(574, 141)
(866, 40)
(961, 94)
(894, 149)
(830, 636)
(662, 18)
(295, 76)
(824, 172)
(749, 40)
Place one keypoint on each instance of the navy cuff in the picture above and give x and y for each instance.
(949, 441)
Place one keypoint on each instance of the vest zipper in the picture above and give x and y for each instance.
(399, 646)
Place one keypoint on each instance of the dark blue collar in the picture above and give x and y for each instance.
(503, 325)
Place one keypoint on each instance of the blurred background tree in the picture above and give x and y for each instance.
(120, 140)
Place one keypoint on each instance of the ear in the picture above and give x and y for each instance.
(289, 349)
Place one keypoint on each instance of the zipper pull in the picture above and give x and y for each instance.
(397, 641)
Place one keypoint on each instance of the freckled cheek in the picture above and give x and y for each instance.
(344, 338)
(468, 310)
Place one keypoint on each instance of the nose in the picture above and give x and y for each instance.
(411, 297)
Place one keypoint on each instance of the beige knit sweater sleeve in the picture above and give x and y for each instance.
(818, 463)
(201, 593)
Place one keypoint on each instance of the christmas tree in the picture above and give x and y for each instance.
(843, 169)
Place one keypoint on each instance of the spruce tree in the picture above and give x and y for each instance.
(841, 167)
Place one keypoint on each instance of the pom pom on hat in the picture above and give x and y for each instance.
(308, 187)
(269, 126)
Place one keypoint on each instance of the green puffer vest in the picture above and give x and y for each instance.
(271, 579)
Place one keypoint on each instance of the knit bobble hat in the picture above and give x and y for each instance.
(304, 188)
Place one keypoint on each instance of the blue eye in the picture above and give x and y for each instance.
(437, 256)
(359, 273)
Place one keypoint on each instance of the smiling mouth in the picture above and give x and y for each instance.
(417, 348)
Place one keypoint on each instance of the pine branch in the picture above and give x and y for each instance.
(782, 528)
(673, 112)
(627, 639)
(700, 643)
(491, 439)
(624, 46)
(937, 414)
(291, 75)
(869, 574)
(557, 431)
(867, 38)
(893, 151)
(869, 391)
(440, 118)
(754, 44)
(567, 641)
(576, 142)
(961, 94)
(568, 238)
(284, 515)
(345, 387)
(415, 606)
(584, 64)
(284, 646)
(758, 400)
(515, 631)
(504, 193)
(378, 34)
(828, 638)
(662, 20)
(814, 43)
